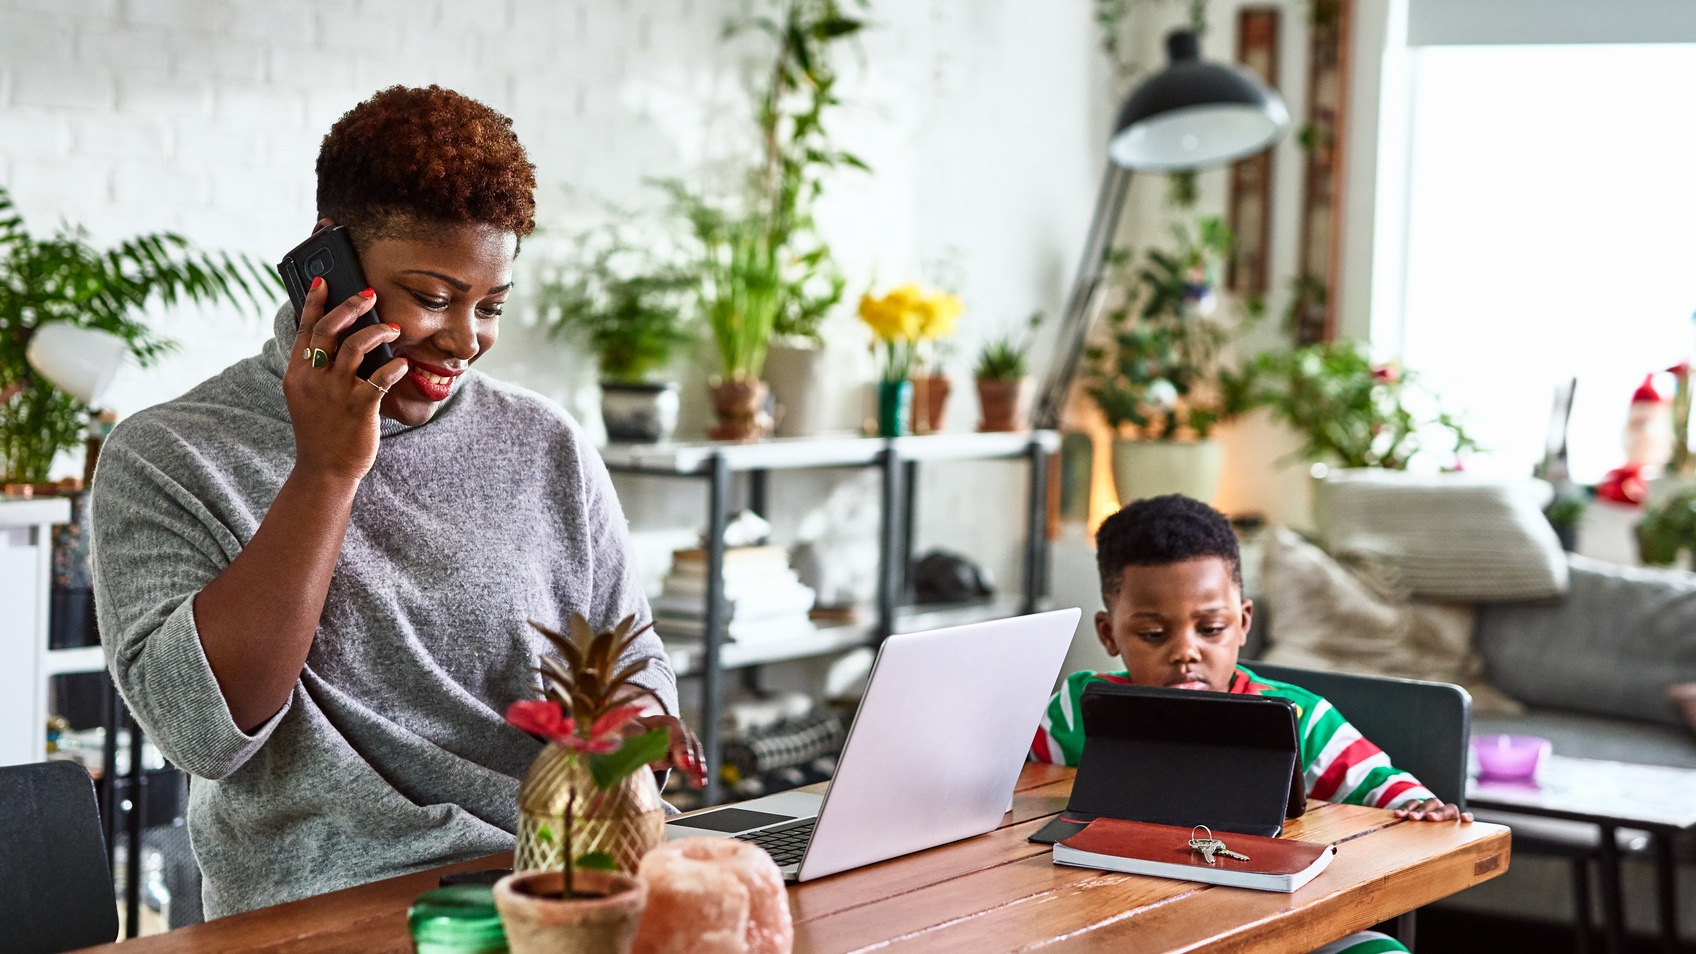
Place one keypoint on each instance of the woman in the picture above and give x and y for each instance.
(315, 589)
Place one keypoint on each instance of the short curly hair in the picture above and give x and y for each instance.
(1159, 531)
(411, 158)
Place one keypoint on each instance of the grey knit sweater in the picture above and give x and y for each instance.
(392, 754)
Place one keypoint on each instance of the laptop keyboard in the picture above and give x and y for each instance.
(787, 844)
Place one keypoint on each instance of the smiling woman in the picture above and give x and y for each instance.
(315, 589)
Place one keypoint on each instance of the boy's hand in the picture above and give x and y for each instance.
(1432, 809)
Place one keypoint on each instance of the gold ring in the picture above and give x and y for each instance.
(320, 358)
(375, 385)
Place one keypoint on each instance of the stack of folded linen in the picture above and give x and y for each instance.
(763, 597)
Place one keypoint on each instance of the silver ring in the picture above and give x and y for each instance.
(375, 385)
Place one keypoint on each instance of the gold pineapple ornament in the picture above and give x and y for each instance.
(588, 799)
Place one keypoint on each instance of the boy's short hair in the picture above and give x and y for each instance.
(1159, 531)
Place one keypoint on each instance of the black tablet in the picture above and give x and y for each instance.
(1184, 757)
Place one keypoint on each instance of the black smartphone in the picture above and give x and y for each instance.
(329, 255)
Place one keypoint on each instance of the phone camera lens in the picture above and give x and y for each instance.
(318, 264)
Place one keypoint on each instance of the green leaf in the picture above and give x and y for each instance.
(636, 752)
(596, 861)
(545, 835)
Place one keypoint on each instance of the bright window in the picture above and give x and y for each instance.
(1551, 232)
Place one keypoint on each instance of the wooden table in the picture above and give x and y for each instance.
(997, 892)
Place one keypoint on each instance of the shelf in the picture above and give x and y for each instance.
(28, 511)
(831, 638)
(59, 662)
(686, 656)
(694, 457)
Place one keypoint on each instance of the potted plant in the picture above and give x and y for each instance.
(763, 270)
(588, 808)
(899, 322)
(1159, 378)
(630, 309)
(1350, 410)
(63, 278)
(1004, 387)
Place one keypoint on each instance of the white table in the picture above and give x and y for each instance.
(1660, 799)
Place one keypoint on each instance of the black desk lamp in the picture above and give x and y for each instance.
(1188, 116)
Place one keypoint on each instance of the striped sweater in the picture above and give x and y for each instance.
(1339, 763)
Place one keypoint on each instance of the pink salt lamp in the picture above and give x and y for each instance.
(713, 896)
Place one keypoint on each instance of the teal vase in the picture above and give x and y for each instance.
(894, 407)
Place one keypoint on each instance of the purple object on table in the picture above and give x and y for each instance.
(1509, 757)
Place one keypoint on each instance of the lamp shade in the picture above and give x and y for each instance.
(1194, 114)
(82, 362)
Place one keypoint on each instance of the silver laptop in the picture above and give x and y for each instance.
(932, 756)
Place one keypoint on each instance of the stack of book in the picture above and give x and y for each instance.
(764, 599)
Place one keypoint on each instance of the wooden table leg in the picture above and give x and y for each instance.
(1666, 888)
(1613, 904)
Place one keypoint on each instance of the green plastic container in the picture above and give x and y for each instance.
(457, 920)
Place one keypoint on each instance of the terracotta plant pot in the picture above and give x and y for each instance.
(930, 403)
(741, 409)
(601, 919)
(1004, 405)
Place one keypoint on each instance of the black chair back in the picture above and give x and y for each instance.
(53, 874)
(1423, 726)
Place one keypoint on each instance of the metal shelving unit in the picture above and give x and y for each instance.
(898, 460)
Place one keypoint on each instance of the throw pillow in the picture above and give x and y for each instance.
(1326, 616)
(1611, 646)
(1446, 537)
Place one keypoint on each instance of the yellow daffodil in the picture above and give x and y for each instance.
(895, 316)
(937, 314)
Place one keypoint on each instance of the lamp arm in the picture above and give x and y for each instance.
(1080, 308)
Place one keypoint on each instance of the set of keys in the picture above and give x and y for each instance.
(1210, 846)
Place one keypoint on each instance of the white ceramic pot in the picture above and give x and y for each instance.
(639, 413)
(1153, 468)
(796, 376)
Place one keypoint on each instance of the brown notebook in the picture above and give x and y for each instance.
(1112, 844)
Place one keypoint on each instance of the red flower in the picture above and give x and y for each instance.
(1387, 373)
(542, 717)
(546, 719)
(1682, 369)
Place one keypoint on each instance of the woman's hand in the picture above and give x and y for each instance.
(1432, 809)
(684, 751)
(334, 411)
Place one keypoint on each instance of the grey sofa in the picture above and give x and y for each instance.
(1593, 669)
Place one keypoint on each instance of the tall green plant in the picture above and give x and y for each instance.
(1161, 371)
(763, 268)
(63, 277)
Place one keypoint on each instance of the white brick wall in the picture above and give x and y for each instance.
(983, 119)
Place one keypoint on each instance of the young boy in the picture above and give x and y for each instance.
(1172, 581)
(1171, 578)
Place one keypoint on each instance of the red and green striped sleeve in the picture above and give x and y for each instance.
(1340, 764)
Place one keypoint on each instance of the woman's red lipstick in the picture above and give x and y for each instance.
(435, 383)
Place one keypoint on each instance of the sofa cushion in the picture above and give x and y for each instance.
(1597, 737)
(1328, 617)
(1453, 538)
(1612, 646)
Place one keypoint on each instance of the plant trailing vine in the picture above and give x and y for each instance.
(63, 277)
